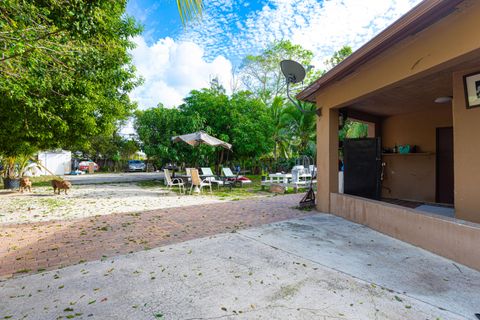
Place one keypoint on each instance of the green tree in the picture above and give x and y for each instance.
(338, 56)
(109, 145)
(157, 126)
(301, 127)
(241, 120)
(252, 129)
(212, 106)
(65, 72)
(281, 136)
(128, 148)
(353, 129)
(261, 73)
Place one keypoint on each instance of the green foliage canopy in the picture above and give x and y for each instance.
(302, 127)
(261, 73)
(339, 56)
(156, 127)
(110, 146)
(241, 120)
(64, 72)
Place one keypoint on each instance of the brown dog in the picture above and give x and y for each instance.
(25, 184)
(61, 184)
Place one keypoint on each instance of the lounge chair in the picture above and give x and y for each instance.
(207, 172)
(198, 182)
(175, 182)
(227, 172)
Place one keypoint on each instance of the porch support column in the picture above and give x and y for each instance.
(327, 157)
(465, 152)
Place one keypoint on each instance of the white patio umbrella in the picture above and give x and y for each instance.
(196, 138)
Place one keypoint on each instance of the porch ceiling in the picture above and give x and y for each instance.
(413, 95)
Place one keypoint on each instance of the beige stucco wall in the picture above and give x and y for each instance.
(447, 237)
(418, 56)
(417, 128)
(327, 158)
(412, 177)
(466, 132)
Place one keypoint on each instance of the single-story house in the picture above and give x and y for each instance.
(417, 86)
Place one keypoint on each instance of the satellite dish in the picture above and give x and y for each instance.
(293, 71)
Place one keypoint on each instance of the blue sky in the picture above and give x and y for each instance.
(161, 19)
(174, 59)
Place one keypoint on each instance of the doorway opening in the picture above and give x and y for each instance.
(408, 161)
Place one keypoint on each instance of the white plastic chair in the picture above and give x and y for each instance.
(198, 182)
(175, 182)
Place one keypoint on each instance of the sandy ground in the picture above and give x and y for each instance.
(90, 200)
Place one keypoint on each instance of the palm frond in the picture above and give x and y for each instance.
(189, 9)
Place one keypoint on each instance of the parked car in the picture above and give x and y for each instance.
(83, 165)
(136, 165)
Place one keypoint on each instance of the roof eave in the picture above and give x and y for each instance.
(420, 17)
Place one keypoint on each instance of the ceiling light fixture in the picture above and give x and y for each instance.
(444, 99)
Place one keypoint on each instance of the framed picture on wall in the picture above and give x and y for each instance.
(472, 89)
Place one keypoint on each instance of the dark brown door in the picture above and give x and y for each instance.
(362, 167)
(445, 165)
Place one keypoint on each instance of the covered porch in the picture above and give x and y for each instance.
(422, 193)
(418, 113)
(392, 83)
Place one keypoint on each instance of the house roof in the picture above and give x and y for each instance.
(420, 17)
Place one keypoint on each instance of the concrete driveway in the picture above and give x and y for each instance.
(114, 177)
(316, 267)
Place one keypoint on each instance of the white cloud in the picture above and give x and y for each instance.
(321, 26)
(171, 69)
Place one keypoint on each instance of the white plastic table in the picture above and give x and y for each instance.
(281, 178)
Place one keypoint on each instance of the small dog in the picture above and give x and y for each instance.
(25, 184)
(61, 184)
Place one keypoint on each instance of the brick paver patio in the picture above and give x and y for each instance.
(34, 247)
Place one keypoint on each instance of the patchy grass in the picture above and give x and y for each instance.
(151, 184)
(237, 193)
(42, 181)
(253, 189)
(53, 203)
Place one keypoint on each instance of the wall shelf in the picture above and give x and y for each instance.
(409, 154)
